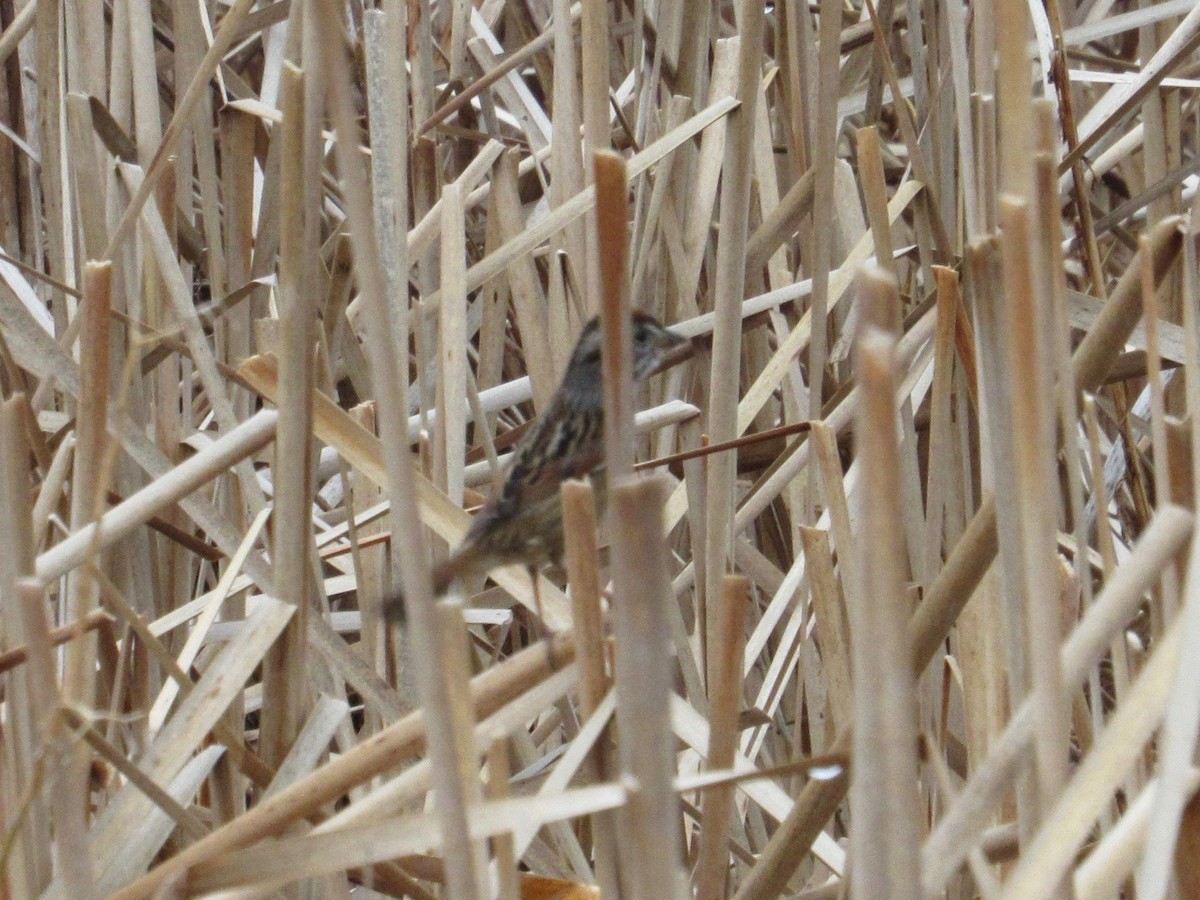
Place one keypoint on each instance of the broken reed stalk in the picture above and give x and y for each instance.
(283, 707)
(649, 854)
(591, 646)
(503, 849)
(884, 839)
(87, 489)
(469, 857)
(725, 703)
(33, 690)
(612, 250)
(726, 295)
(1032, 449)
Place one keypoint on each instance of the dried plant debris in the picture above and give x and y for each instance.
(881, 583)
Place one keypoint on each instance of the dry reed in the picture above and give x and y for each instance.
(893, 592)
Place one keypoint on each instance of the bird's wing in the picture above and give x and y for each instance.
(559, 447)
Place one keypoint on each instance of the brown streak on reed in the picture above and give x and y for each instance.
(612, 249)
(21, 653)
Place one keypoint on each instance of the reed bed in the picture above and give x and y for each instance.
(891, 593)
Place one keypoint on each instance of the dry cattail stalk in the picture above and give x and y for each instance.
(252, 257)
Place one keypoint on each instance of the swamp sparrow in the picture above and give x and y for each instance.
(522, 523)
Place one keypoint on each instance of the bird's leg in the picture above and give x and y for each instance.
(547, 635)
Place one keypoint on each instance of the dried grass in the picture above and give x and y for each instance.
(904, 608)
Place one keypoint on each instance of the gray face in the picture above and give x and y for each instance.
(651, 342)
(651, 345)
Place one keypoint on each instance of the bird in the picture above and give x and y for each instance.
(522, 521)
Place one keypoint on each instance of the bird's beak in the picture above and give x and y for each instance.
(671, 340)
(675, 349)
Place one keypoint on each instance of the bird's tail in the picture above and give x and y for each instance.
(462, 562)
(392, 607)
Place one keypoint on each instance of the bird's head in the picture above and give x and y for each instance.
(651, 344)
